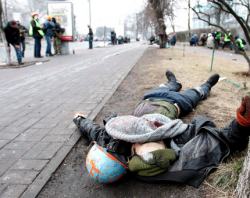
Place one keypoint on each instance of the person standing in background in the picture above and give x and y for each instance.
(13, 37)
(162, 33)
(37, 33)
(48, 31)
(57, 37)
(91, 36)
(22, 31)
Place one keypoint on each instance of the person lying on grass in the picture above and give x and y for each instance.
(156, 145)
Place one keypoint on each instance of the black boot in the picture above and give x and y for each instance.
(20, 63)
(213, 79)
(170, 76)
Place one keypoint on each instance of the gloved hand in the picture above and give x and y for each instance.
(243, 112)
(78, 114)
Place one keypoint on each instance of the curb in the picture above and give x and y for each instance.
(16, 66)
(38, 184)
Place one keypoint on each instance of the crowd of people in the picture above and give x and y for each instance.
(214, 38)
(51, 30)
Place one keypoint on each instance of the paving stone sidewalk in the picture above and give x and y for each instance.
(37, 105)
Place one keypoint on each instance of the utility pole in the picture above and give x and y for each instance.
(89, 14)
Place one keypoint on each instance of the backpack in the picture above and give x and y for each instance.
(244, 41)
(58, 34)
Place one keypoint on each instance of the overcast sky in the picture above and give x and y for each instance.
(111, 12)
(104, 12)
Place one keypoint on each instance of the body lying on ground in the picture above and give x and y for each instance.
(156, 145)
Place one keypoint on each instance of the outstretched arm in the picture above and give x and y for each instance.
(237, 133)
(89, 129)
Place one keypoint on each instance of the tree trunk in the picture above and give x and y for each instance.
(3, 34)
(7, 53)
(243, 187)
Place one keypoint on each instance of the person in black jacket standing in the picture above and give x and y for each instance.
(57, 37)
(13, 37)
(37, 32)
(91, 37)
(22, 31)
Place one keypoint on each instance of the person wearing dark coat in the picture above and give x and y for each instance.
(177, 163)
(91, 37)
(37, 32)
(173, 39)
(56, 37)
(193, 40)
(22, 31)
(13, 37)
(48, 32)
(113, 35)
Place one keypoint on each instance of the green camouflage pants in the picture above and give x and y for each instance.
(57, 45)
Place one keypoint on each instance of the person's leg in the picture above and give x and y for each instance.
(24, 46)
(173, 84)
(55, 45)
(224, 44)
(216, 43)
(230, 45)
(48, 45)
(191, 97)
(40, 46)
(59, 43)
(37, 47)
(18, 54)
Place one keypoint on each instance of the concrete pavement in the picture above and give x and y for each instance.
(37, 105)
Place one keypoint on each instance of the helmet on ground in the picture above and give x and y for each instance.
(228, 30)
(102, 166)
(33, 14)
(160, 19)
(48, 18)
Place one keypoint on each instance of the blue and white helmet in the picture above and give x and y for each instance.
(102, 166)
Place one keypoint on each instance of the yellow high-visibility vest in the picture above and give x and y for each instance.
(31, 28)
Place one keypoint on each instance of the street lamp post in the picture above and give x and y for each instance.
(89, 14)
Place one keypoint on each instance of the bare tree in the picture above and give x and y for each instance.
(3, 34)
(164, 8)
(225, 7)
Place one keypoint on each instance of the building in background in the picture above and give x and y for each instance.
(223, 19)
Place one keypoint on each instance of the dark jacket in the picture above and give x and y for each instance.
(48, 28)
(12, 35)
(57, 28)
(22, 30)
(112, 34)
(90, 32)
(35, 30)
(204, 148)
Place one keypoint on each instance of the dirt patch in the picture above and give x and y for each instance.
(72, 179)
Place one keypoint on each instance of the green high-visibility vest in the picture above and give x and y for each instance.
(218, 35)
(240, 42)
(227, 37)
(37, 25)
